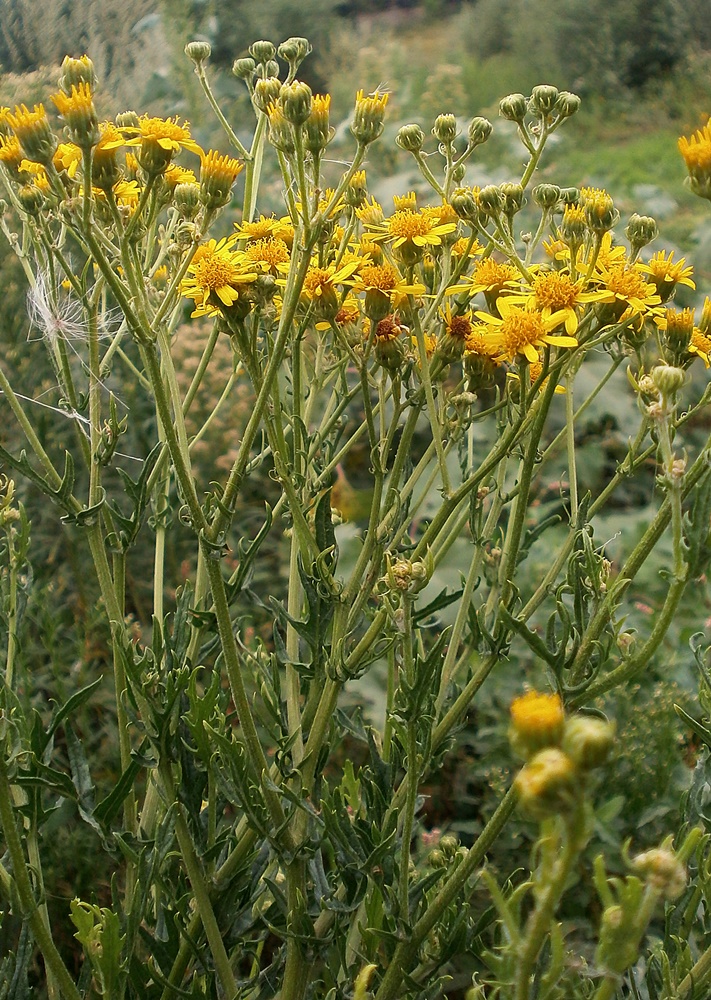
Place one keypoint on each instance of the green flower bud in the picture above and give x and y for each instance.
(588, 741)
(271, 68)
(458, 172)
(479, 131)
(198, 51)
(465, 204)
(667, 379)
(513, 198)
(546, 195)
(513, 108)
(262, 52)
(600, 212)
(491, 199)
(567, 104)
(294, 50)
(296, 101)
(410, 138)
(317, 130)
(267, 92)
(244, 69)
(543, 99)
(679, 330)
(127, 119)
(186, 199)
(76, 71)
(570, 196)
(662, 869)
(445, 128)
(641, 230)
(31, 199)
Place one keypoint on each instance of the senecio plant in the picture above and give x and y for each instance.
(252, 858)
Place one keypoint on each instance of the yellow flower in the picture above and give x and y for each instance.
(263, 227)
(216, 277)
(521, 331)
(537, 720)
(629, 289)
(696, 151)
(175, 174)
(410, 232)
(106, 171)
(10, 152)
(371, 214)
(369, 118)
(700, 345)
(555, 291)
(217, 175)
(34, 133)
(489, 276)
(159, 139)
(269, 254)
(666, 273)
(77, 109)
(67, 157)
(535, 370)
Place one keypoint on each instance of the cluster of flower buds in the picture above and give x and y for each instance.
(559, 752)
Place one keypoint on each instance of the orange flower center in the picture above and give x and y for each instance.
(493, 275)
(382, 276)
(555, 291)
(268, 251)
(405, 225)
(627, 283)
(213, 270)
(520, 329)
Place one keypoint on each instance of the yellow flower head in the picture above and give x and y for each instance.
(11, 153)
(555, 291)
(33, 132)
(629, 288)
(270, 255)
(409, 233)
(175, 174)
(666, 273)
(217, 175)
(77, 109)
(520, 331)
(158, 140)
(67, 157)
(536, 722)
(262, 228)
(701, 345)
(106, 169)
(369, 118)
(490, 276)
(405, 202)
(696, 151)
(216, 277)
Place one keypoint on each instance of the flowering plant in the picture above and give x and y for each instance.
(251, 859)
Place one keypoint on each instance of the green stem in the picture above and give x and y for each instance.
(29, 908)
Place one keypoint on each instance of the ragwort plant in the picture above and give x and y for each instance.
(252, 857)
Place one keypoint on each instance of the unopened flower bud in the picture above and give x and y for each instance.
(668, 379)
(458, 172)
(77, 110)
(588, 741)
(445, 128)
(186, 199)
(389, 349)
(31, 199)
(356, 191)
(127, 119)
(369, 118)
(294, 50)
(266, 92)
(76, 71)
(479, 131)
(296, 102)
(465, 204)
(570, 195)
(546, 195)
(547, 784)
(317, 130)
(198, 51)
(567, 104)
(573, 225)
(491, 199)
(513, 198)
(543, 99)
(244, 68)
(661, 869)
(262, 52)
(641, 230)
(410, 138)
(513, 108)
(600, 212)
(536, 722)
